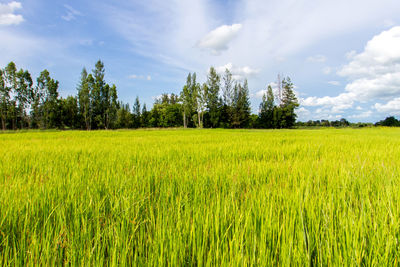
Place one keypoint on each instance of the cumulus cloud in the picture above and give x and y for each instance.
(218, 39)
(317, 59)
(392, 107)
(374, 74)
(337, 104)
(71, 13)
(7, 16)
(238, 73)
(303, 113)
(362, 115)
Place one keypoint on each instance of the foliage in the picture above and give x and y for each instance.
(389, 121)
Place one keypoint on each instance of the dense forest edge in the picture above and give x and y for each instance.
(220, 102)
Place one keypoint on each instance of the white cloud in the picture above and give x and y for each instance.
(392, 107)
(139, 77)
(317, 59)
(170, 32)
(373, 74)
(71, 13)
(303, 113)
(7, 16)
(218, 39)
(238, 73)
(362, 115)
(337, 104)
(334, 83)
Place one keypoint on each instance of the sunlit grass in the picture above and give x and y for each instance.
(200, 197)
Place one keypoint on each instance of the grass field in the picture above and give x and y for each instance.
(200, 197)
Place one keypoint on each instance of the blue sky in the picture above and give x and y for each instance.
(343, 55)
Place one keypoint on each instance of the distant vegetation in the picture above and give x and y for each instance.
(389, 121)
(220, 102)
(337, 123)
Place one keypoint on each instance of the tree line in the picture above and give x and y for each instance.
(221, 101)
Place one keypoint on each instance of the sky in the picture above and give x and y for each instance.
(342, 55)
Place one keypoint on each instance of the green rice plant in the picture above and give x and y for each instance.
(327, 197)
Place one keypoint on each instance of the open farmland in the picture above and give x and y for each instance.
(200, 197)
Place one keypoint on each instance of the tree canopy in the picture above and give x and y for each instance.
(219, 102)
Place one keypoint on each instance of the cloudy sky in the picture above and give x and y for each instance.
(342, 55)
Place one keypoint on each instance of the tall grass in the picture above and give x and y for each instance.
(209, 197)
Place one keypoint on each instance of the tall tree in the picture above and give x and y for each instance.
(4, 99)
(243, 105)
(145, 116)
(98, 101)
(228, 88)
(288, 104)
(50, 107)
(10, 88)
(228, 94)
(188, 96)
(267, 106)
(111, 105)
(124, 119)
(36, 101)
(23, 91)
(84, 98)
(213, 99)
(202, 93)
(136, 113)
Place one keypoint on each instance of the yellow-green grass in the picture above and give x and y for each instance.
(200, 197)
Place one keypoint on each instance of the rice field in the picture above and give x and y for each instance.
(327, 197)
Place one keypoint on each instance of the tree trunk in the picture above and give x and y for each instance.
(198, 115)
(184, 120)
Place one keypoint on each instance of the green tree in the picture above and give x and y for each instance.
(145, 116)
(98, 101)
(213, 99)
(124, 119)
(188, 96)
(289, 104)
(267, 106)
(136, 113)
(49, 108)
(201, 99)
(243, 105)
(111, 105)
(4, 99)
(23, 91)
(70, 112)
(228, 95)
(84, 98)
(10, 88)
